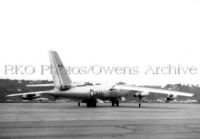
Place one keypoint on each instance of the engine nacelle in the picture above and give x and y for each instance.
(141, 94)
(170, 97)
(30, 96)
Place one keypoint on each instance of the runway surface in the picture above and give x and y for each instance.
(66, 120)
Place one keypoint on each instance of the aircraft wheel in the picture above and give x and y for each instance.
(117, 103)
(79, 104)
(113, 104)
(88, 104)
(92, 103)
(140, 101)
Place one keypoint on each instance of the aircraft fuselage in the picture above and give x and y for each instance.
(92, 91)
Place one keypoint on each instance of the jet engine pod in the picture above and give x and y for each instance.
(140, 94)
(170, 97)
(30, 96)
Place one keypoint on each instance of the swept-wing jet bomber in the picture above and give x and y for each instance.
(91, 94)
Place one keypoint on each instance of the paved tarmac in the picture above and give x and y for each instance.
(66, 120)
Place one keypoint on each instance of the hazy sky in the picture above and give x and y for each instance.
(107, 33)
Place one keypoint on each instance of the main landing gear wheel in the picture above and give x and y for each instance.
(115, 102)
(140, 101)
(91, 103)
(79, 104)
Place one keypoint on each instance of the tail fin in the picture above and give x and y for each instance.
(60, 77)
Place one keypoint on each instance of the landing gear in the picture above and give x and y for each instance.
(115, 102)
(79, 103)
(140, 101)
(91, 103)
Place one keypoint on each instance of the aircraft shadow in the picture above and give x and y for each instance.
(125, 107)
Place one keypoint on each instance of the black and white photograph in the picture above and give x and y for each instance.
(100, 69)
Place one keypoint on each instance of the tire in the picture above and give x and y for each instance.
(88, 104)
(117, 103)
(92, 103)
(113, 104)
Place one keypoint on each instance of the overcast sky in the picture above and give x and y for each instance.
(107, 32)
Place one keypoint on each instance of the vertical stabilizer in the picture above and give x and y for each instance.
(60, 76)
